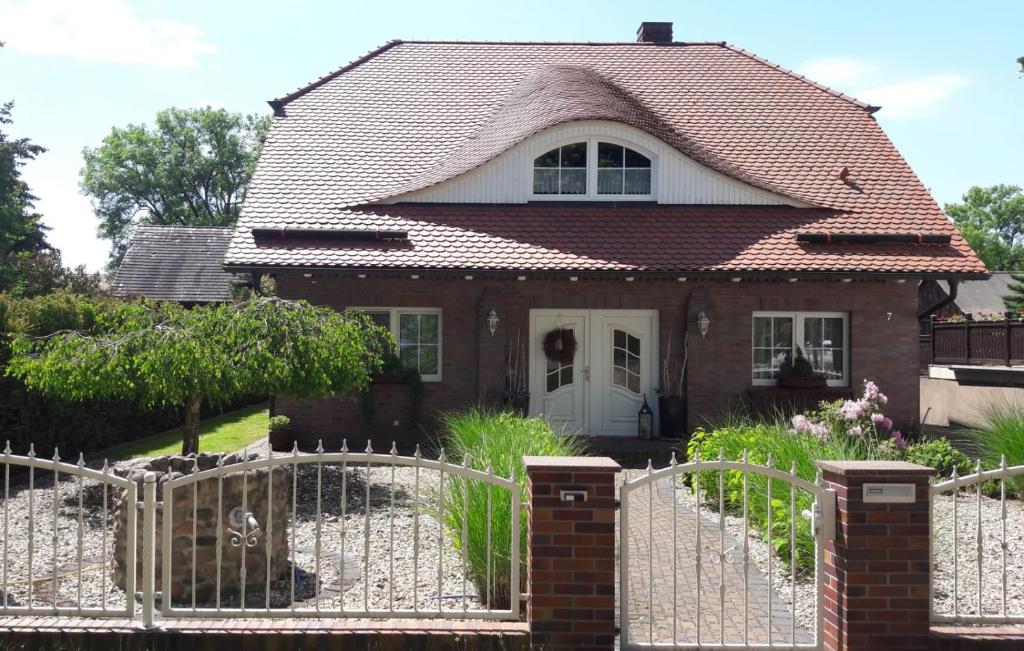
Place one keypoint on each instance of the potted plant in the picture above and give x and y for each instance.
(281, 437)
(671, 400)
(797, 373)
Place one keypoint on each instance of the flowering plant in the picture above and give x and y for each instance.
(860, 422)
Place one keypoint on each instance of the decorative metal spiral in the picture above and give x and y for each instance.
(250, 530)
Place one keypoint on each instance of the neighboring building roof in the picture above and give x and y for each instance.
(176, 263)
(414, 114)
(982, 295)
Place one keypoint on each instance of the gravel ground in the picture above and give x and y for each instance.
(344, 576)
(965, 542)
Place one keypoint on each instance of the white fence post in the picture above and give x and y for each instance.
(148, 548)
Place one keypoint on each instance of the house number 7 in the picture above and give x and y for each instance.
(888, 316)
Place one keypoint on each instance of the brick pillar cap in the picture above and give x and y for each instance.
(874, 468)
(572, 463)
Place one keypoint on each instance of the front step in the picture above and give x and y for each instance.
(635, 453)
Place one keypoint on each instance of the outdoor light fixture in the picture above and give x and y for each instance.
(703, 323)
(1020, 62)
(492, 322)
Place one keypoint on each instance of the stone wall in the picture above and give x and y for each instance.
(265, 494)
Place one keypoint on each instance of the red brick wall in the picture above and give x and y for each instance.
(883, 336)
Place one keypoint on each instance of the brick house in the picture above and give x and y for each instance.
(479, 198)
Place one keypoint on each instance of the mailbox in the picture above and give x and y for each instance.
(890, 493)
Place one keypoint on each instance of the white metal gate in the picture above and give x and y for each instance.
(682, 542)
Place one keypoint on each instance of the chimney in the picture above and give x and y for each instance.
(654, 33)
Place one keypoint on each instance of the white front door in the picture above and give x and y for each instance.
(601, 391)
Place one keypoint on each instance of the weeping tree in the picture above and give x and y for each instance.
(163, 354)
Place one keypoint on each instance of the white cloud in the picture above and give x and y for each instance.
(837, 71)
(914, 97)
(100, 30)
(869, 82)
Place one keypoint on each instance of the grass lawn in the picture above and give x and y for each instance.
(225, 433)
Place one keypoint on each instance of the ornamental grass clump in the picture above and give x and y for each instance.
(493, 441)
(1000, 434)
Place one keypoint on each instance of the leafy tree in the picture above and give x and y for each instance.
(22, 234)
(192, 169)
(162, 354)
(991, 219)
(1014, 301)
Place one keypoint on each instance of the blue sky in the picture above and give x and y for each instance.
(944, 72)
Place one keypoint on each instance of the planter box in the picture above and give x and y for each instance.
(671, 416)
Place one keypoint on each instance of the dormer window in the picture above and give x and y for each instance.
(592, 169)
(620, 170)
(561, 171)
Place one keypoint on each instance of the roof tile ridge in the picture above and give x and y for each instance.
(278, 102)
(531, 42)
(831, 91)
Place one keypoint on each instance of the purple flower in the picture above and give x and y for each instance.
(887, 423)
(800, 423)
(852, 410)
(877, 419)
(901, 442)
(856, 431)
(872, 394)
(819, 429)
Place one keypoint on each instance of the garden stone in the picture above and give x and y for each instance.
(194, 539)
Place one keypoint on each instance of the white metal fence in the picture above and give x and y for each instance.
(357, 534)
(693, 576)
(977, 573)
(47, 577)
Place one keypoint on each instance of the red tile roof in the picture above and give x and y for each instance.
(413, 114)
(593, 238)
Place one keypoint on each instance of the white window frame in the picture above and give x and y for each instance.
(394, 322)
(798, 337)
(591, 193)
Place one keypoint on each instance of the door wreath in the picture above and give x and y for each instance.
(560, 345)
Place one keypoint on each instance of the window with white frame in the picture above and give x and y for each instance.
(592, 169)
(417, 331)
(823, 337)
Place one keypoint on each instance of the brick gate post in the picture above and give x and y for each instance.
(877, 569)
(571, 552)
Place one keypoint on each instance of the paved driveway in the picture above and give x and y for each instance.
(664, 605)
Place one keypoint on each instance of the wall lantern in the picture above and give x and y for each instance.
(703, 323)
(1020, 62)
(492, 322)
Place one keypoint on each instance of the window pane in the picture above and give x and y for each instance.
(762, 331)
(783, 332)
(574, 155)
(633, 383)
(408, 328)
(633, 345)
(619, 339)
(633, 364)
(609, 155)
(763, 363)
(619, 376)
(638, 181)
(636, 159)
(428, 329)
(566, 375)
(383, 319)
(574, 181)
(609, 181)
(428, 360)
(545, 181)
(833, 332)
(408, 357)
(812, 332)
(552, 381)
(619, 358)
(550, 159)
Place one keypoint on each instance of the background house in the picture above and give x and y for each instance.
(176, 263)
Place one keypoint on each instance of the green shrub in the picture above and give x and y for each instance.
(501, 439)
(787, 449)
(940, 454)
